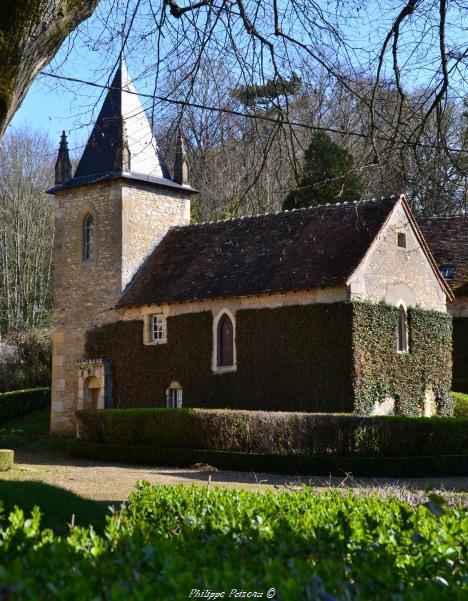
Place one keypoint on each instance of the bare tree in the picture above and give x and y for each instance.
(26, 230)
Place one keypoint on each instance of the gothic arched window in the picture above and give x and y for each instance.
(402, 330)
(88, 237)
(225, 341)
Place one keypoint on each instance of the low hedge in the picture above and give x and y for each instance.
(6, 459)
(460, 404)
(19, 402)
(397, 467)
(278, 433)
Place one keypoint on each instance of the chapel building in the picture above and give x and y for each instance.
(335, 308)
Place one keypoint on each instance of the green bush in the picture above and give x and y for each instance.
(397, 467)
(461, 404)
(6, 459)
(170, 541)
(276, 432)
(19, 402)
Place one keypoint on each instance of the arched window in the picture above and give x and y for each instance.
(402, 330)
(225, 341)
(88, 237)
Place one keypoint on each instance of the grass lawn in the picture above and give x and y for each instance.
(30, 431)
(57, 505)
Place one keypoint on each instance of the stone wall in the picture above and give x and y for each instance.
(129, 219)
(146, 217)
(392, 274)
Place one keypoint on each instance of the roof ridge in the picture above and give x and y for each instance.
(260, 215)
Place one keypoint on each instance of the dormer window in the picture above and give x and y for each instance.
(447, 271)
(401, 240)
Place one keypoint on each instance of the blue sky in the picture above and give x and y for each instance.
(53, 106)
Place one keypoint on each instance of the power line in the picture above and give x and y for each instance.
(236, 113)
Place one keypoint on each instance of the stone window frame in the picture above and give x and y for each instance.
(148, 338)
(402, 237)
(402, 337)
(222, 369)
(88, 210)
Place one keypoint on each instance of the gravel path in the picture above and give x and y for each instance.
(113, 482)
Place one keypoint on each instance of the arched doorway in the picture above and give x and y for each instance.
(91, 391)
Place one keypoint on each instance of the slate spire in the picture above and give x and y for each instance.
(63, 166)
(122, 136)
(181, 170)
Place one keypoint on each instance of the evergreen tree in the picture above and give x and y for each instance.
(328, 176)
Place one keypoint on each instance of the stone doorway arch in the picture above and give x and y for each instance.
(92, 388)
(94, 384)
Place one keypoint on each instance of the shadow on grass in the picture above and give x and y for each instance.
(57, 505)
(30, 432)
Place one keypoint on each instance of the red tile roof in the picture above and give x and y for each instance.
(282, 252)
(447, 238)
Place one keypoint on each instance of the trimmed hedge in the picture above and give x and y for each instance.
(19, 402)
(396, 467)
(275, 432)
(6, 459)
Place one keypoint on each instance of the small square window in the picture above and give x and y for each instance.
(401, 240)
(447, 271)
(157, 327)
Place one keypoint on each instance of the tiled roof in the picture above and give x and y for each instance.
(287, 251)
(447, 238)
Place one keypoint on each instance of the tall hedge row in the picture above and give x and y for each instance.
(275, 432)
(380, 371)
(338, 357)
(19, 402)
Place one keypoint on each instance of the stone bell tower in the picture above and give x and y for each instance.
(109, 216)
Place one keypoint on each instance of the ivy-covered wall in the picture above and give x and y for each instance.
(380, 371)
(335, 357)
(460, 354)
(293, 358)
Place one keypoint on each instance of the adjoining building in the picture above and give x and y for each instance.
(447, 237)
(337, 308)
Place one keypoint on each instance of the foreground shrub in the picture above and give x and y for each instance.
(275, 432)
(169, 541)
(19, 402)
(25, 360)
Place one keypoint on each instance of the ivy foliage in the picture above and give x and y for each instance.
(333, 358)
(380, 371)
(294, 358)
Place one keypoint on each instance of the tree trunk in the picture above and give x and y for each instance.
(31, 32)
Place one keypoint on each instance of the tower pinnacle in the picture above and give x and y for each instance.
(181, 171)
(63, 165)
